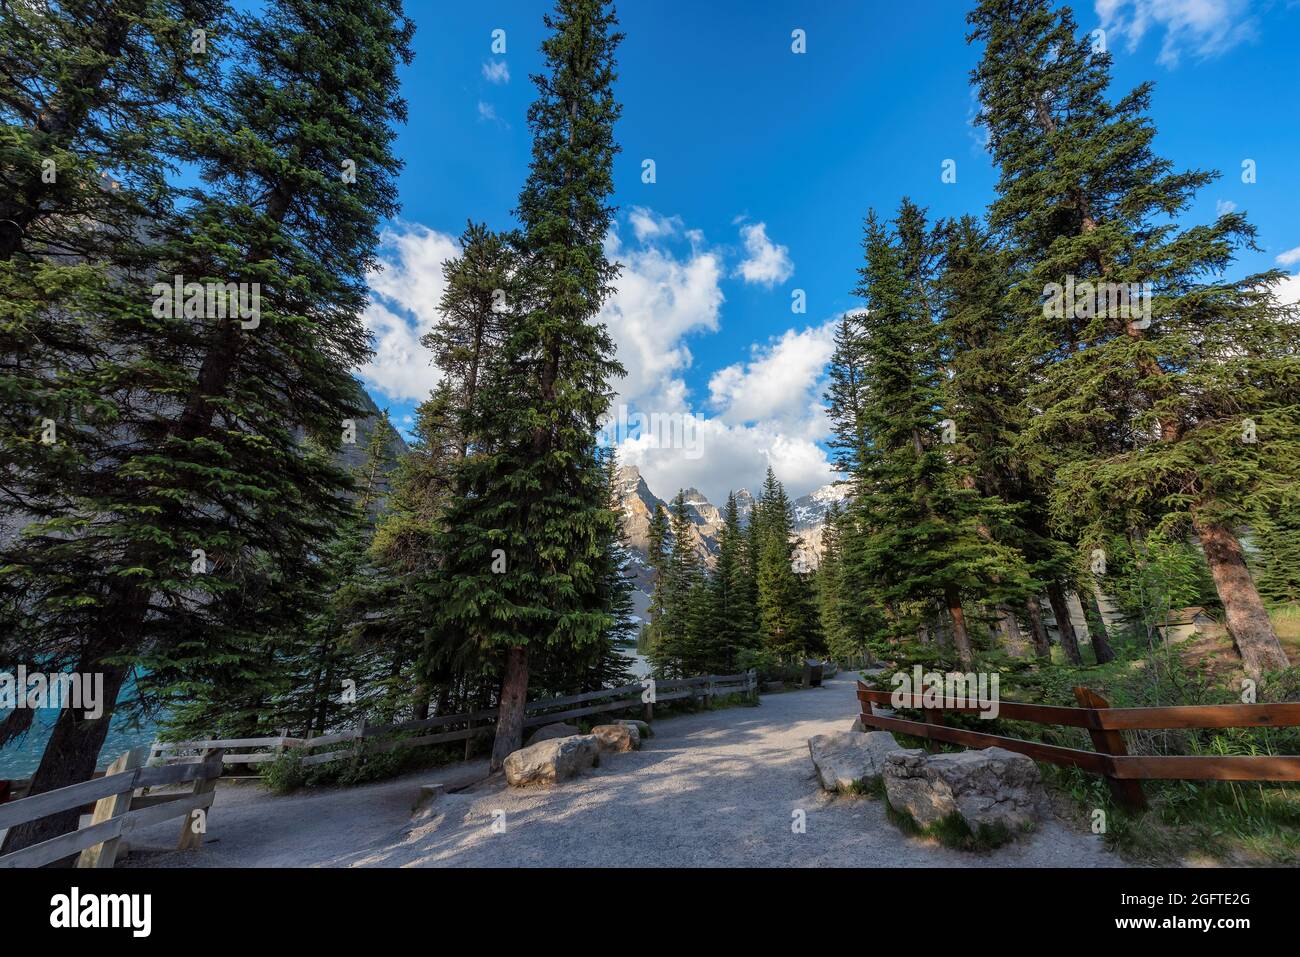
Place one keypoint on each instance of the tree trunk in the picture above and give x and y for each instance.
(70, 758)
(1097, 626)
(960, 637)
(1042, 642)
(510, 710)
(1065, 627)
(1009, 628)
(1248, 621)
(421, 710)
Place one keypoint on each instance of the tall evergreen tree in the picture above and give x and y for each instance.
(985, 391)
(181, 466)
(536, 496)
(786, 617)
(733, 627)
(681, 645)
(846, 394)
(925, 526)
(1143, 409)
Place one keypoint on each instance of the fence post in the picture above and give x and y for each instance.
(1126, 791)
(105, 854)
(469, 738)
(213, 763)
(931, 716)
(708, 693)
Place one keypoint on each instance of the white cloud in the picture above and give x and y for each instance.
(1205, 27)
(768, 409)
(1289, 258)
(648, 225)
(659, 299)
(766, 262)
(486, 111)
(404, 298)
(779, 381)
(496, 71)
(1224, 206)
(1288, 290)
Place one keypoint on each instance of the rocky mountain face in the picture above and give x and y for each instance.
(639, 504)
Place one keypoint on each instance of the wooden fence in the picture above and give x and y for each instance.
(118, 810)
(445, 729)
(1123, 771)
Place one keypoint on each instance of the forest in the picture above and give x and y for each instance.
(175, 513)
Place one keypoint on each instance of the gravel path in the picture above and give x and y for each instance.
(711, 789)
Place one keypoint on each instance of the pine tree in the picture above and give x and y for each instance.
(1144, 399)
(733, 627)
(182, 449)
(985, 393)
(786, 616)
(91, 87)
(924, 525)
(1276, 564)
(681, 648)
(536, 494)
(845, 396)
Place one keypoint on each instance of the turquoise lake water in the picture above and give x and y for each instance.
(19, 758)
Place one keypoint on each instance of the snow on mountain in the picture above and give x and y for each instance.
(638, 501)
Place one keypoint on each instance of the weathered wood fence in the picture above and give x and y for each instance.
(118, 810)
(446, 729)
(1123, 771)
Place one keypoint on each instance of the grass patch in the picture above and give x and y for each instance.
(952, 831)
(867, 787)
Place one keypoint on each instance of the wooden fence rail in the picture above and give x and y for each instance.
(1110, 758)
(118, 810)
(465, 726)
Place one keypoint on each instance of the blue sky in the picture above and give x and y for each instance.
(766, 162)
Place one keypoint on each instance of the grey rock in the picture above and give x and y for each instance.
(992, 786)
(848, 758)
(551, 761)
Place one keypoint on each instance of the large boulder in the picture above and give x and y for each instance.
(617, 737)
(548, 732)
(547, 762)
(847, 760)
(989, 787)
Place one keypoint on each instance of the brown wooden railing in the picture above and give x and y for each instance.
(1123, 771)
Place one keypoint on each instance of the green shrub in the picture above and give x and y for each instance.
(285, 774)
